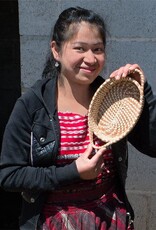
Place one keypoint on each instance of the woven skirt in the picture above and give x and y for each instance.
(105, 213)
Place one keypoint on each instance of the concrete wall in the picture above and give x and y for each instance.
(132, 39)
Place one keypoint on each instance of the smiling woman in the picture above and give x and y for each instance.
(82, 56)
(81, 59)
(46, 151)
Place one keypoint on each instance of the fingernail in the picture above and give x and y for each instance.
(117, 77)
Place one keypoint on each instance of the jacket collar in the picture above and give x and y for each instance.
(46, 91)
(50, 95)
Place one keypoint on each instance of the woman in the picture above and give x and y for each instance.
(46, 153)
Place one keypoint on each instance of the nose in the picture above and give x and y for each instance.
(89, 57)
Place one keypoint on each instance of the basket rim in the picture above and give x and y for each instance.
(105, 88)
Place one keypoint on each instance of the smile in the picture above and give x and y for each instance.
(87, 69)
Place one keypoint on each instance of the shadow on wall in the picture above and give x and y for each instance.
(9, 92)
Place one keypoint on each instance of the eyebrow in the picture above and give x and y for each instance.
(84, 43)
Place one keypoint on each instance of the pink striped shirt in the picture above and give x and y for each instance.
(75, 139)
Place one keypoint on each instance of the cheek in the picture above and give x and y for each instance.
(68, 64)
(73, 62)
(102, 62)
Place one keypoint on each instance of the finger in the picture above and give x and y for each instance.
(123, 71)
(88, 151)
(129, 68)
(100, 166)
(98, 155)
(126, 70)
(136, 75)
(113, 74)
(134, 66)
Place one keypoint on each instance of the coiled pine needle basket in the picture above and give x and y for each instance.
(115, 109)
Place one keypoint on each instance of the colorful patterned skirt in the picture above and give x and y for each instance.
(70, 211)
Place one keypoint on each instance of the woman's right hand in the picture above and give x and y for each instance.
(88, 165)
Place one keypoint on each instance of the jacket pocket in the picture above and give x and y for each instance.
(42, 145)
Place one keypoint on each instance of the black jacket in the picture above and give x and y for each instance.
(32, 134)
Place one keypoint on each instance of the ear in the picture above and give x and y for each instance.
(55, 50)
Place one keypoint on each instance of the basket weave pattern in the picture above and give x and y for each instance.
(115, 108)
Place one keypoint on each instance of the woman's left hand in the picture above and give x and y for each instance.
(126, 70)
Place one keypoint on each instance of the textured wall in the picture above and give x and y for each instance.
(132, 39)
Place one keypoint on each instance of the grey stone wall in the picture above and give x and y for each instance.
(131, 39)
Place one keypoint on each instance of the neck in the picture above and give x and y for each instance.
(73, 97)
(74, 91)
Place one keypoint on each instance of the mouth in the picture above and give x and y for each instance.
(88, 69)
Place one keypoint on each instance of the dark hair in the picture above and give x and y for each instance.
(61, 32)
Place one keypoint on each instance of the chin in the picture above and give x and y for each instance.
(86, 81)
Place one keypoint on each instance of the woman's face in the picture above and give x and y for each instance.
(82, 57)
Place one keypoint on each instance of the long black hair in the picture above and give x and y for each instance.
(61, 33)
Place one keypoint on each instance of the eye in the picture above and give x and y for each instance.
(79, 48)
(99, 50)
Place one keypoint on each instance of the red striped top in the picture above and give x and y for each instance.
(75, 139)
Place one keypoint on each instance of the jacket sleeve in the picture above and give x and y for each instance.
(16, 172)
(143, 136)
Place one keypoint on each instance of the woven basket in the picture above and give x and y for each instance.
(115, 109)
